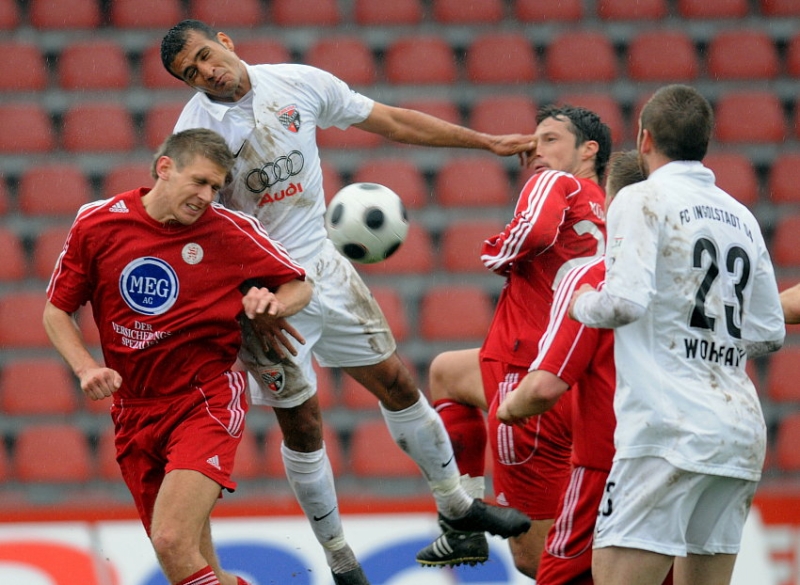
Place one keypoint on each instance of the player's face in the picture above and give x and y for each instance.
(212, 67)
(555, 147)
(191, 189)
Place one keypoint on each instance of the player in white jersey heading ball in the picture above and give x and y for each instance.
(691, 294)
(269, 116)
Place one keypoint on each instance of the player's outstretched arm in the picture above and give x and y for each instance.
(538, 392)
(413, 127)
(790, 301)
(97, 381)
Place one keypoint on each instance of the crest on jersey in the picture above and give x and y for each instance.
(149, 286)
(289, 117)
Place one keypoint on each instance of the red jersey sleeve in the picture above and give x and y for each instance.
(538, 217)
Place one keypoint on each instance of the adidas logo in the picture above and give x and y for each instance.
(213, 461)
(119, 207)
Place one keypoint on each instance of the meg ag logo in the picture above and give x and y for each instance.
(149, 286)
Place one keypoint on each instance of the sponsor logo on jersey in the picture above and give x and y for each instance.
(273, 172)
(289, 117)
(192, 253)
(290, 191)
(149, 286)
(119, 207)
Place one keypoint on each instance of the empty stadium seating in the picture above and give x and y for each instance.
(394, 309)
(261, 50)
(779, 7)
(501, 58)
(14, 266)
(46, 249)
(742, 54)
(220, 15)
(461, 241)
(662, 55)
(27, 128)
(625, 10)
(146, 14)
(75, 14)
(37, 386)
(159, 122)
(401, 176)
(9, 14)
(347, 57)
(605, 106)
(709, 9)
(56, 189)
(36, 460)
(784, 178)
(405, 55)
(735, 174)
(472, 181)
(98, 127)
(538, 11)
(443, 108)
(581, 57)
(27, 62)
(373, 453)
(93, 65)
(397, 12)
(293, 13)
(152, 71)
(782, 375)
(504, 113)
(750, 116)
(415, 256)
(460, 313)
(787, 454)
(21, 319)
(467, 11)
(785, 244)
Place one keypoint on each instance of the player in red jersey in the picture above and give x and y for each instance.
(581, 359)
(558, 223)
(165, 270)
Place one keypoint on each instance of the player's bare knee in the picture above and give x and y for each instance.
(438, 377)
(169, 545)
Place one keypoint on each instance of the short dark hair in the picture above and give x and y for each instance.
(680, 121)
(623, 170)
(184, 146)
(585, 125)
(175, 40)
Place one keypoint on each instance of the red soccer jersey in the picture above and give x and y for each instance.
(559, 222)
(165, 297)
(583, 357)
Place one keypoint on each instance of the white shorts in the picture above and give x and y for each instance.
(649, 504)
(343, 327)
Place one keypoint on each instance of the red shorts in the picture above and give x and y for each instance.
(567, 557)
(198, 430)
(531, 462)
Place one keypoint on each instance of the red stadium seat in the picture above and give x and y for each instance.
(91, 336)
(159, 122)
(75, 14)
(249, 462)
(472, 181)
(46, 249)
(154, 76)
(273, 462)
(37, 460)
(21, 320)
(750, 116)
(260, 50)
(404, 56)
(125, 177)
(460, 246)
(742, 54)
(504, 114)
(5, 464)
(27, 128)
(326, 387)
(538, 11)
(415, 256)
(98, 127)
(107, 466)
(227, 14)
(501, 58)
(626, 10)
(581, 57)
(782, 375)
(467, 11)
(442, 108)
(786, 451)
(14, 265)
(331, 180)
(351, 138)
(53, 189)
(393, 306)
(347, 57)
(25, 59)
(784, 178)
(4, 203)
(401, 176)
(785, 248)
(605, 106)
(156, 14)
(93, 65)
(9, 15)
(461, 313)
(373, 453)
(662, 56)
(780, 7)
(293, 13)
(37, 386)
(397, 12)
(707, 9)
(735, 174)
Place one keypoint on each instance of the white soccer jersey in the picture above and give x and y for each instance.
(695, 260)
(277, 175)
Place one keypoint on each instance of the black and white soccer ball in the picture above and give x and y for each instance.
(367, 222)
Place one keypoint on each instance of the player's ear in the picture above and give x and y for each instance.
(163, 166)
(225, 41)
(589, 149)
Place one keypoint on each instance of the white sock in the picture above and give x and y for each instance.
(420, 432)
(311, 478)
(474, 486)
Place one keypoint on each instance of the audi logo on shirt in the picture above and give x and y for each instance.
(274, 172)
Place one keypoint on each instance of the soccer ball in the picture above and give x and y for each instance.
(366, 222)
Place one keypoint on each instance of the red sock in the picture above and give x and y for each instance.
(467, 429)
(204, 576)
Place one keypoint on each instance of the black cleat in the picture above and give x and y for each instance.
(453, 548)
(480, 517)
(352, 577)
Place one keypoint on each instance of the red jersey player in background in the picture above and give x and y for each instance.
(581, 359)
(558, 223)
(165, 270)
